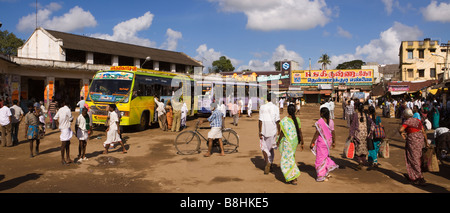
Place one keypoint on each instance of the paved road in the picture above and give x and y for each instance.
(152, 165)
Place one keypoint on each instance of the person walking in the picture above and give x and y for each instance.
(344, 109)
(349, 110)
(290, 137)
(64, 118)
(81, 103)
(322, 142)
(52, 108)
(113, 130)
(373, 154)
(235, 112)
(359, 132)
(435, 116)
(414, 133)
(331, 108)
(83, 130)
(31, 123)
(298, 105)
(281, 102)
(223, 110)
(17, 115)
(5, 124)
(269, 126)
(249, 107)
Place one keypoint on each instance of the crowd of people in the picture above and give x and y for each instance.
(364, 126)
(171, 115)
(417, 116)
(59, 117)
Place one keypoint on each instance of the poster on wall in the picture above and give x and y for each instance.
(338, 77)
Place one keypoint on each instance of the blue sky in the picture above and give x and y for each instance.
(252, 33)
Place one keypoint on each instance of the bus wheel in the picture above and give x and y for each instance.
(144, 122)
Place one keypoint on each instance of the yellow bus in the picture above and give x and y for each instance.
(133, 90)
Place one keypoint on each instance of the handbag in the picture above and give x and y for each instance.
(379, 132)
(349, 149)
(384, 149)
(430, 162)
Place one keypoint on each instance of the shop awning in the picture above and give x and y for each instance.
(433, 91)
(310, 92)
(397, 92)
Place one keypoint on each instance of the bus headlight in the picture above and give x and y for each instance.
(124, 113)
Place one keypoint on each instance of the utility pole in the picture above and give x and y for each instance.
(447, 45)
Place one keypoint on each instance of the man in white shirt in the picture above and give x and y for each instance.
(269, 121)
(5, 124)
(331, 108)
(249, 107)
(162, 120)
(223, 110)
(17, 115)
(81, 104)
(281, 105)
(64, 118)
(325, 104)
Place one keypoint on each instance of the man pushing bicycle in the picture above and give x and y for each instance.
(215, 121)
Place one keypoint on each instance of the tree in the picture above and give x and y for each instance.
(222, 65)
(324, 60)
(277, 65)
(355, 64)
(9, 43)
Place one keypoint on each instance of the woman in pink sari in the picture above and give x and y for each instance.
(321, 143)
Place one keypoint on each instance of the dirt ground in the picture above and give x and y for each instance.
(153, 166)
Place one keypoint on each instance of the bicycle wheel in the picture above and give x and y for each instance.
(230, 141)
(187, 143)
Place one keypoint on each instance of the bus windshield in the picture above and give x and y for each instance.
(110, 87)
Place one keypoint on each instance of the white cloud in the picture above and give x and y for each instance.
(388, 6)
(267, 15)
(343, 33)
(127, 31)
(172, 39)
(435, 12)
(384, 49)
(280, 53)
(75, 19)
(207, 56)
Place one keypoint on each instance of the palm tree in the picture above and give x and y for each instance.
(324, 60)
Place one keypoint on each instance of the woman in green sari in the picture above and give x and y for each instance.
(290, 136)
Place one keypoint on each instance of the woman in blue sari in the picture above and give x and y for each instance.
(436, 116)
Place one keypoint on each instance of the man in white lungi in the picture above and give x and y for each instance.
(215, 121)
(269, 125)
(113, 130)
(64, 118)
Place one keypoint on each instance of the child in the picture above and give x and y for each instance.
(113, 131)
(83, 129)
(32, 128)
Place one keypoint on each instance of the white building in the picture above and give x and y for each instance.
(376, 71)
(59, 64)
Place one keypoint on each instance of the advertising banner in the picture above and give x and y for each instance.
(341, 77)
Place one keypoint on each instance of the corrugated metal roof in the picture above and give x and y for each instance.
(90, 44)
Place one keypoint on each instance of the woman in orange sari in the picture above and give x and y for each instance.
(169, 114)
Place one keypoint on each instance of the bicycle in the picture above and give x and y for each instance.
(188, 142)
